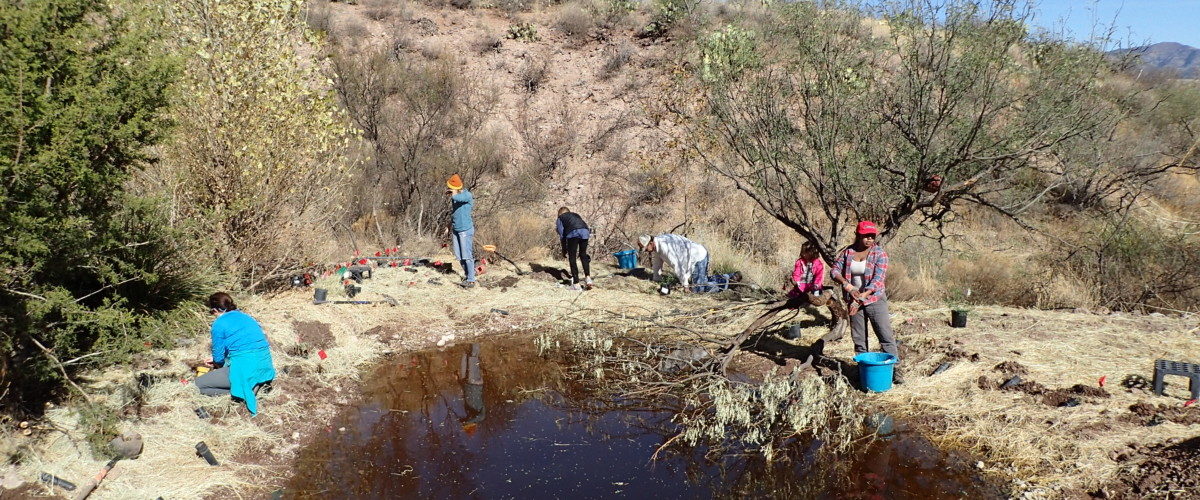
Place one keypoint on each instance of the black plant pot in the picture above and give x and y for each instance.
(958, 318)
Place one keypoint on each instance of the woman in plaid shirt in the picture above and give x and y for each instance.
(861, 270)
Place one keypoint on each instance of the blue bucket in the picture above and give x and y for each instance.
(627, 259)
(875, 370)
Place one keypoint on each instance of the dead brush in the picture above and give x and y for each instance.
(574, 21)
(533, 73)
(670, 363)
(549, 138)
(380, 10)
(486, 42)
(616, 57)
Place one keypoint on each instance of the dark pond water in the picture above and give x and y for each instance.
(505, 424)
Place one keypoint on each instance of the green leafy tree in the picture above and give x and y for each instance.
(86, 271)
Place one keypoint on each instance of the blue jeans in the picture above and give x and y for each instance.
(463, 243)
(699, 276)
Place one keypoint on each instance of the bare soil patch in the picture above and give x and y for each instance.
(314, 333)
(1167, 471)
(1156, 414)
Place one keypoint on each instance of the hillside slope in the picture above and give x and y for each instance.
(1181, 59)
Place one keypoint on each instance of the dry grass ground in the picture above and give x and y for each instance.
(1016, 435)
(1022, 436)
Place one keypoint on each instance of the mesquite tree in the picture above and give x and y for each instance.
(898, 112)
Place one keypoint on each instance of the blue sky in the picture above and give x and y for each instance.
(1136, 21)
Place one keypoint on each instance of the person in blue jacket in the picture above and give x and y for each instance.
(462, 227)
(241, 357)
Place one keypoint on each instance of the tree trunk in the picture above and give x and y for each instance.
(837, 330)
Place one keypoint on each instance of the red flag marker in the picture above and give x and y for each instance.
(321, 354)
(1102, 380)
(1189, 402)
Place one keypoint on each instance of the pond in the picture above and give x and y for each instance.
(495, 420)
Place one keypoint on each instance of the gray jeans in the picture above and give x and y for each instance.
(881, 322)
(463, 244)
(215, 382)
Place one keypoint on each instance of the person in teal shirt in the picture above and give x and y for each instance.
(462, 227)
(241, 359)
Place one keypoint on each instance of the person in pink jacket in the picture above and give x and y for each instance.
(809, 273)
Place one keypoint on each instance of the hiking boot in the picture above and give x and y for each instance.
(897, 378)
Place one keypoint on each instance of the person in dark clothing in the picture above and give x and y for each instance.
(574, 233)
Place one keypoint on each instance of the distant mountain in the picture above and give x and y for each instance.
(1182, 59)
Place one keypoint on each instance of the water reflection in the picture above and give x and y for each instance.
(494, 420)
(471, 376)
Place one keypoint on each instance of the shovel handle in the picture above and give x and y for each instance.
(94, 482)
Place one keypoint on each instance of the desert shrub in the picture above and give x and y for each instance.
(525, 32)
(533, 73)
(649, 187)
(518, 234)
(612, 12)
(486, 42)
(573, 20)
(317, 14)
(259, 153)
(380, 10)
(432, 50)
(995, 279)
(616, 57)
(1133, 264)
(549, 138)
(421, 121)
(351, 29)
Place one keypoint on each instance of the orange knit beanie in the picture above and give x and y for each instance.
(455, 182)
